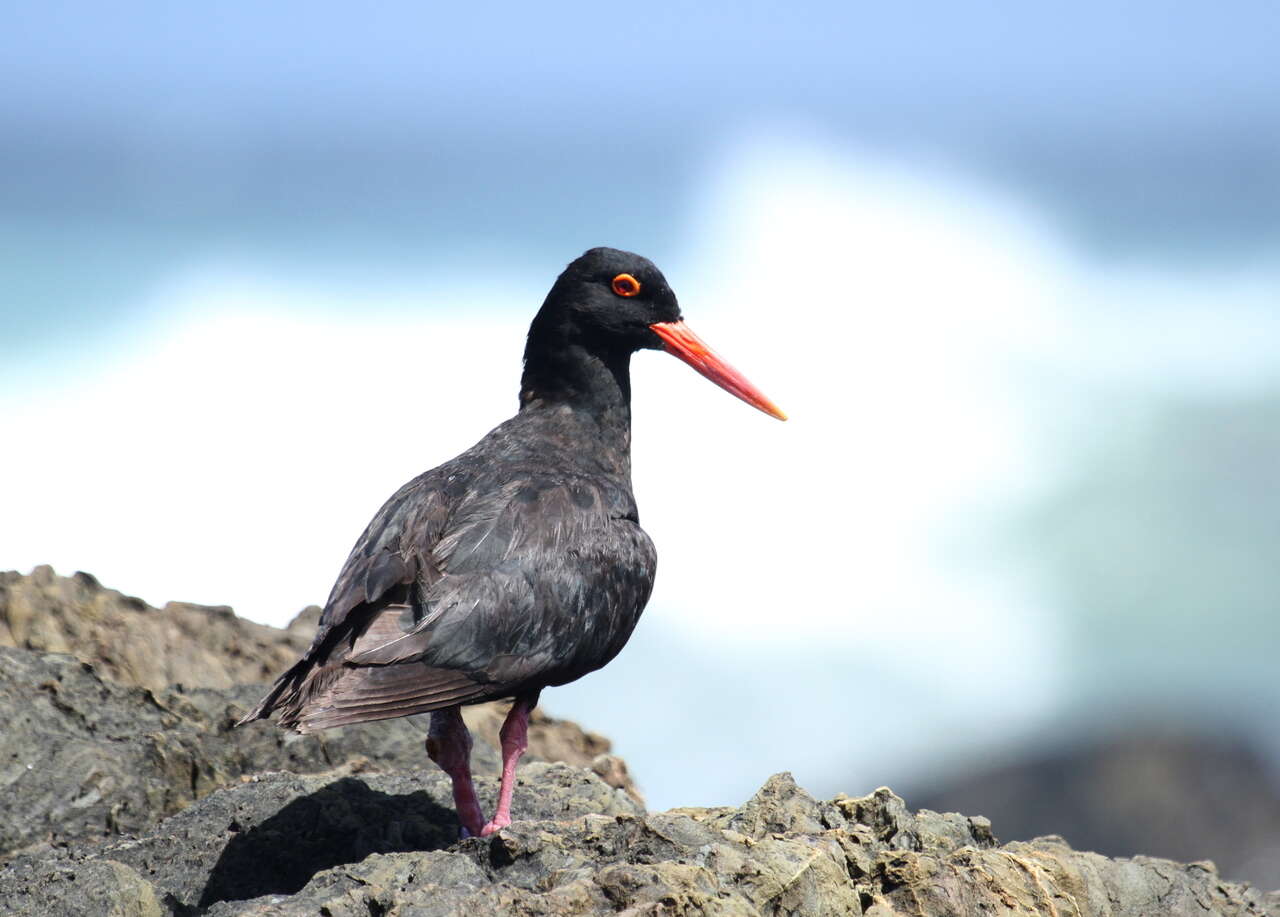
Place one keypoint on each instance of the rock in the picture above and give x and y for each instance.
(128, 642)
(101, 886)
(128, 795)
(83, 757)
(365, 844)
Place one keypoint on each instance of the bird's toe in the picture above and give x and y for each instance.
(494, 826)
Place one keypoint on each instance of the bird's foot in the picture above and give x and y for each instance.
(471, 827)
(499, 822)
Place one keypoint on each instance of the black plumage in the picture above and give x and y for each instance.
(519, 564)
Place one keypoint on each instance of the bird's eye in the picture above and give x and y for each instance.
(626, 285)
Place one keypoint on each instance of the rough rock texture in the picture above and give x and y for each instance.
(128, 642)
(125, 796)
(84, 757)
(383, 844)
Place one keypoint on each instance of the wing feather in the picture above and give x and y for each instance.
(378, 693)
(463, 589)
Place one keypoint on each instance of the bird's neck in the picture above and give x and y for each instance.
(592, 381)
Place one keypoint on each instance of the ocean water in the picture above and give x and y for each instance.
(1029, 470)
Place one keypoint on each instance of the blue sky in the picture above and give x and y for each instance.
(420, 136)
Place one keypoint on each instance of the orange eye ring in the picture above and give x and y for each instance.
(626, 285)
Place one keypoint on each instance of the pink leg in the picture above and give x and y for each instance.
(515, 739)
(449, 745)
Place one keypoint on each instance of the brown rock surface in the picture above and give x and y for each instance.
(129, 642)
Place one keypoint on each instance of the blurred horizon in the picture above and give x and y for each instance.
(1014, 272)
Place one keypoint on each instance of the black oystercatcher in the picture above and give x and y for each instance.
(519, 564)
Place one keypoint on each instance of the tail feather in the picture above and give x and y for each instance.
(366, 693)
(284, 692)
(326, 687)
(310, 697)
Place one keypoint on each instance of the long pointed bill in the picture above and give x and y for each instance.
(679, 341)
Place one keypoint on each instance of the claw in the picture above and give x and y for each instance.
(494, 826)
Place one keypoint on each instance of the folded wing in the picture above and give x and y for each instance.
(458, 594)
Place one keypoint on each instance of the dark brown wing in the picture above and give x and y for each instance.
(543, 582)
(375, 586)
(465, 590)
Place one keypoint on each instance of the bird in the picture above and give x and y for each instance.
(518, 565)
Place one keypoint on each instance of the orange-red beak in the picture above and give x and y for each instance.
(679, 341)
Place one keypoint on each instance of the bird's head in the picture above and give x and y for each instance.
(619, 301)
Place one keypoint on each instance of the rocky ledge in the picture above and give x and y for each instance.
(280, 844)
(121, 794)
(186, 669)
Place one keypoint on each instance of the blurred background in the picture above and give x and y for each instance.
(1013, 269)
